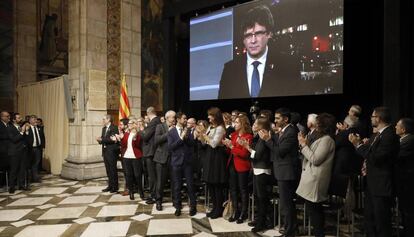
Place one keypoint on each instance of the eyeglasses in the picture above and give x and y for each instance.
(257, 34)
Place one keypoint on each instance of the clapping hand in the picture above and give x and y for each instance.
(264, 135)
(355, 139)
(303, 141)
(227, 142)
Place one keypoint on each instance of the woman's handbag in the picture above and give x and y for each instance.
(228, 209)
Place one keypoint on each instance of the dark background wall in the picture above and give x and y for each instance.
(378, 61)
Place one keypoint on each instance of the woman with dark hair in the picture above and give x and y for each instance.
(316, 169)
(214, 166)
(262, 170)
(239, 167)
(228, 124)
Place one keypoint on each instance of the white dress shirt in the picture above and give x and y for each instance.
(129, 153)
(260, 68)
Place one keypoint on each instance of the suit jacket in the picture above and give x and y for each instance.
(30, 137)
(285, 156)
(17, 141)
(261, 158)
(4, 138)
(161, 143)
(239, 154)
(380, 155)
(316, 169)
(281, 77)
(404, 167)
(148, 146)
(107, 144)
(181, 150)
(42, 136)
(136, 145)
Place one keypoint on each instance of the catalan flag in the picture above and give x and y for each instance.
(123, 100)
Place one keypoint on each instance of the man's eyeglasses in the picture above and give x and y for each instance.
(257, 34)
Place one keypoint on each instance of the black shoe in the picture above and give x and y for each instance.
(113, 191)
(216, 215)
(141, 195)
(242, 218)
(177, 212)
(252, 223)
(232, 219)
(209, 214)
(24, 188)
(193, 211)
(131, 196)
(107, 189)
(158, 206)
(150, 201)
(259, 228)
(12, 190)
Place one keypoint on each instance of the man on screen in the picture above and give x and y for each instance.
(264, 71)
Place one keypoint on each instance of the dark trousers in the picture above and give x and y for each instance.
(406, 206)
(238, 190)
(262, 185)
(18, 166)
(133, 174)
(377, 213)
(110, 158)
(178, 172)
(317, 217)
(217, 197)
(36, 155)
(287, 205)
(161, 171)
(152, 178)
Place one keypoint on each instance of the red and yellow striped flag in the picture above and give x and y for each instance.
(123, 100)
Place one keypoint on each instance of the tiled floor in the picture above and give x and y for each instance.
(59, 207)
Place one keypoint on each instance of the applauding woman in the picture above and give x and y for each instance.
(239, 167)
(131, 153)
(316, 169)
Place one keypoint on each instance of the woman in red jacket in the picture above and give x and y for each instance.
(239, 167)
(131, 153)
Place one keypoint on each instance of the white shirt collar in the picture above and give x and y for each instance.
(284, 128)
(401, 138)
(262, 59)
(382, 129)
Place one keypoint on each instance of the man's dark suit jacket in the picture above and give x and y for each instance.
(148, 146)
(4, 139)
(107, 144)
(30, 137)
(261, 158)
(181, 150)
(405, 161)
(285, 155)
(161, 143)
(281, 77)
(17, 144)
(380, 157)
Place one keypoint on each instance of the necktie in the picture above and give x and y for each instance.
(37, 142)
(255, 83)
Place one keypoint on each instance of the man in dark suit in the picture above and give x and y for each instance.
(4, 139)
(285, 157)
(148, 150)
(35, 147)
(110, 152)
(17, 152)
(180, 144)
(263, 71)
(380, 154)
(404, 172)
(41, 128)
(162, 155)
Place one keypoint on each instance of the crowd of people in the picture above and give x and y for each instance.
(235, 155)
(238, 154)
(21, 149)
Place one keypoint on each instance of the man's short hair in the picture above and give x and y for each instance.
(284, 112)
(169, 113)
(179, 115)
(408, 125)
(125, 121)
(14, 115)
(150, 110)
(109, 117)
(260, 15)
(383, 113)
(357, 110)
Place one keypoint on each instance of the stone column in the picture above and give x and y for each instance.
(24, 47)
(87, 75)
(131, 51)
